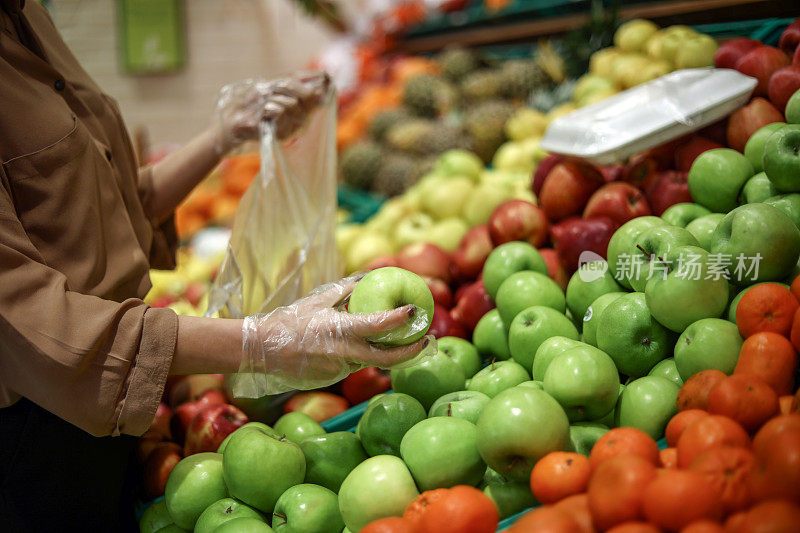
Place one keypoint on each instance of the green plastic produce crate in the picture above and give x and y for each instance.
(361, 204)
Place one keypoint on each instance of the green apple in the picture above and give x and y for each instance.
(433, 377)
(444, 197)
(458, 162)
(592, 317)
(442, 452)
(548, 350)
(757, 235)
(689, 292)
(757, 189)
(296, 426)
(631, 336)
(172, 528)
(307, 508)
(462, 352)
(702, 228)
(155, 517)
(330, 457)
(385, 421)
(585, 381)
(583, 435)
(781, 158)
(518, 427)
(648, 403)
(789, 204)
(388, 288)
(621, 242)
(242, 525)
(735, 302)
(245, 427)
(256, 455)
(222, 511)
(466, 404)
(526, 289)
(379, 487)
(681, 214)
(508, 259)
(589, 282)
(650, 254)
(411, 229)
(534, 383)
(668, 370)
(365, 247)
(793, 108)
(717, 176)
(532, 327)
(696, 51)
(510, 497)
(754, 149)
(447, 233)
(497, 377)
(706, 344)
(490, 336)
(483, 200)
(195, 483)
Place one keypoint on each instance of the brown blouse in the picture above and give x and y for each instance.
(76, 241)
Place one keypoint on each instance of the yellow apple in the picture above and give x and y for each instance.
(365, 248)
(632, 36)
(602, 61)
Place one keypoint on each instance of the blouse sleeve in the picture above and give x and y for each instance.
(165, 237)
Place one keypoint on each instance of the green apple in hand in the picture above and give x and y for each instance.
(256, 455)
(754, 149)
(435, 376)
(706, 344)
(757, 189)
(789, 204)
(548, 350)
(508, 259)
(585, 381)
(510, 497)
(195, 483)
(631, 336)
(466, 404)
(621, 242)
(782, 160)
(648, 403)
(497, 377)
(442, 452)
(222, 511)
(307, 508)
(526, 289)
(155, 517)
(702, 228)
(385, 421)
(757, 231)
(583, 435)
(297, 426)
(388, 288)
(689, 292)
(490, 336)
(668, 370)
(379, 487)
(716, 178)
(588, 283)
(532, 327)
(518, 427)
(793, 108)
(651, 251)
(242, 525)
(462, 352)
(330, 457)
(681, 214)
(592, 318)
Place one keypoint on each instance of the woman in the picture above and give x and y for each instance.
(83, 360)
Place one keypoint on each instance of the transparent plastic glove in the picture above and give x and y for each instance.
(315, 342)
(287, 102)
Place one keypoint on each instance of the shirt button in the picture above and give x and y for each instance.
(108, 155)
(59, 85)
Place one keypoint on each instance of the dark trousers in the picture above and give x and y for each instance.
(56, 477)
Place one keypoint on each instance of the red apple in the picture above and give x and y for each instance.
(567, 188)
(555, 269)
(790, 38)
(543, 169)
(382, 261)
(518, 220)
(444, 325)
(190, 388)
(317, 404)
(760, 63)
(782, 85)
(716, 131)
(475, 247)
(425, 259)
(747, 120)
(146, 444)
(185, 413)
(161, 420)
(729, 52)
(210, 427)
(442, 294)
(619, 201)
(157, 468)
(194, 293)
(363, 384)
(613, 172)
(472, 305)
(669, 189)
(796, 57)
(575, 235)
(686, 153)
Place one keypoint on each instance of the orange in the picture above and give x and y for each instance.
(794, 335)
(770, 357)
(728, 468)
(558, 475)
(679, 422)
(708, 433)
(777, 425)
(624, 440)
(776, 469)
(679, 497)
(694, 393)
(767, 517)
(703, 526)
(668, 458)
(766, 307)
(392, 524)
(547, 519)
(616, 489)
(420, 505)
(786, 404)
(745, 398)
(577, 506)
(634, 527)
(463, 509)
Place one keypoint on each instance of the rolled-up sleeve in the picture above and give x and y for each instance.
(96, 363)
(165, 237)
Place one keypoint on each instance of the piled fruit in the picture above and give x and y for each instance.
(184, 289)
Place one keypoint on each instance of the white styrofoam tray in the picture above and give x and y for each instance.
(645, 116)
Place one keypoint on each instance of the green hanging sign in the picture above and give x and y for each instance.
(152, 35)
